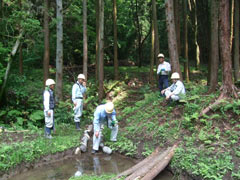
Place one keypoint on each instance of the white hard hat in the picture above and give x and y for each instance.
(81, 76)
(175, 75)
(109, 107)
(50, 82)
(160, 55)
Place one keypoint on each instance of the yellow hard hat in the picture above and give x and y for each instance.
(109, 107)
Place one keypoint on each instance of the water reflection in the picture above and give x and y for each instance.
(83, 164)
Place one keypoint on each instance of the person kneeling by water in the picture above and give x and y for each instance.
(104, 114)
(176, 91)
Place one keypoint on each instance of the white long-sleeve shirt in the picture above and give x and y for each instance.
(177, 88)
(166, 66)
(78, 91)
(46, 97)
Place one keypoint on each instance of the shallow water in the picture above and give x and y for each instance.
(85, 164)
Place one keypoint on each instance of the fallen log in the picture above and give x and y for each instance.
(138, 165)
(160, 166)
(148, 166)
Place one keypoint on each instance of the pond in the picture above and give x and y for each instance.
(83, 164)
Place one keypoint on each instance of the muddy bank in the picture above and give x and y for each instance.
(23, 167)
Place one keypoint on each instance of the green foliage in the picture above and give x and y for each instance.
(93, 177)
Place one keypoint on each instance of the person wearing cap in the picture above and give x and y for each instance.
(78, 91)
(49, 104)
(163, 70)
(176, 91)
(104, 114)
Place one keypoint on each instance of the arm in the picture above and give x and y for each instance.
(74, 88)
(168, 67)
(96, 123)
(46, 102)
(178, 89)
(158, 70)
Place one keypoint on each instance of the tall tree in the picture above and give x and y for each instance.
(46, 42)
(20, 59)
(172, 39)
(116, 73)
(85, 43)
(214, 47)
(232, 22)
(185, 44)
(153, 45)
(236, 41)
(228, 87)
(59, 51)
(97, 41)
(156, 38)
(101, 50)
(177, 23)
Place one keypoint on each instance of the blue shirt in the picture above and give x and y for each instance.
(100, 115)
(78, 91)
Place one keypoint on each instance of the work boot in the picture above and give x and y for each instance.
(93, 151)
(48, 136)
(78, 126)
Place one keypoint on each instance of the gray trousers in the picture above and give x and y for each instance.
(78, 110)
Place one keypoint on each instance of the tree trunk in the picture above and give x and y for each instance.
(172, 40)
(59, 51)
(185, 44)
(46, 43)
(228, 87)
(152, 47)
(195, 36)
(156, 39)
(116, 72)
(177, 23)
(232, 22)
(101, 50)
(20, 60)
(10, 58)
(85, 41)
(236, 41)
(160, 166)
(97, 42)
(214, 44)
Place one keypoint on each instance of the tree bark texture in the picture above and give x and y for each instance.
(156, 38)
(161, 165)
(85, 39)
(177, 24)
(228, 88)
(185, 44)
(46, 43)
(214, 47)
(232, 22)
(97, 36)
(59, 51)
(172, 39)
(152, 47)
(101, 50)
(236, 41)
(116, 72)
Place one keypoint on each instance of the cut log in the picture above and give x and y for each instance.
(160, 166)
(138, 165)
(148, 166)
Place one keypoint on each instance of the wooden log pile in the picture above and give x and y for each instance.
(150, 167)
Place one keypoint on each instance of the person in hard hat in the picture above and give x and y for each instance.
(78, 91)
(49, 104)
(104, 114)
(177, 90)
(163, 70)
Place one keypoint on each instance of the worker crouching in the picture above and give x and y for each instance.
(105, 114)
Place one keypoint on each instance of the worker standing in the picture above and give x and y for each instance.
(49, 104)
(163, 70)
(78, 91)
(104, 114)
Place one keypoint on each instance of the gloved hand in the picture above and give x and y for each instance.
(113, 123)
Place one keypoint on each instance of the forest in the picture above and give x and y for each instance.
(116, 46)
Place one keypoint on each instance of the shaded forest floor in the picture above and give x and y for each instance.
(208, 146)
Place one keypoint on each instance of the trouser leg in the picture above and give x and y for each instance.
(97, 141)
(160, 83)
(165, 81)
(114, 133)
